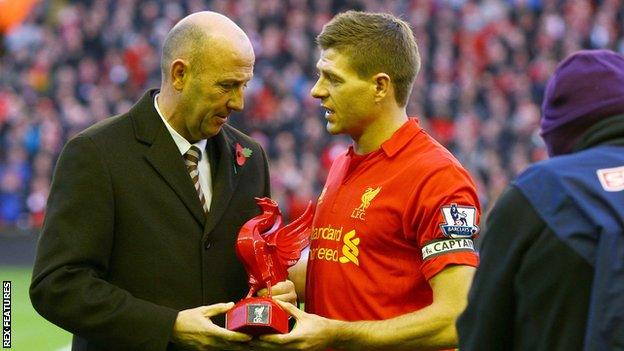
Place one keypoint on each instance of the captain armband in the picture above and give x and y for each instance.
(447, 245)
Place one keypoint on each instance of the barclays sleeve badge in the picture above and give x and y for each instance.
(460, 221)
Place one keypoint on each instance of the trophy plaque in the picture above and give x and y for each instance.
(267, 249)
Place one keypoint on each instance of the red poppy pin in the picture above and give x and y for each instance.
(242, 154)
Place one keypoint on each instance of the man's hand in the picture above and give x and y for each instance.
(312, 333)
(193, 328)
(283, 291)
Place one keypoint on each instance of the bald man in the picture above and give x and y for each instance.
(145, 207)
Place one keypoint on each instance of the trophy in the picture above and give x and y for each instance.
(267, 249)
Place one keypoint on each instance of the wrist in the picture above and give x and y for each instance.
(340, 334)
(175, 331)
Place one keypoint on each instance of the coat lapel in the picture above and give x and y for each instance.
(224, 183)
(164, 155)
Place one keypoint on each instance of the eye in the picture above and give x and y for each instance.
(333, 79)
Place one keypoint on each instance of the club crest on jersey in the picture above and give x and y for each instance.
(460, 221)
(367, 198)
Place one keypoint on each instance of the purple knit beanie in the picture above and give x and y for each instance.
(585, 88)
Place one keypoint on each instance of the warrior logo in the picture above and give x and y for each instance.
(367, 197)
(460, 221)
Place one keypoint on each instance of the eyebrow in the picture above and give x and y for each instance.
(235, 80)
(328, 72)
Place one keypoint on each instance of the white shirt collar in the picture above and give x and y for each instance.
(182, 144)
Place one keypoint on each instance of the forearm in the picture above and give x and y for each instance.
(431, 328)
(297, 274)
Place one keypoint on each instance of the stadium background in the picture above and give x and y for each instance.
(65, 65)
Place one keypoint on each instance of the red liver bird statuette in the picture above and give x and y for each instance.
(267, 249)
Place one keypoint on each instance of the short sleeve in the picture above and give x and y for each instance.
(442, 219)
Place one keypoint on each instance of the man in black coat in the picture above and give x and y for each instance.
(551, 274)
(145, 207)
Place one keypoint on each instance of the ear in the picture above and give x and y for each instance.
(382, 86)
(179, 74)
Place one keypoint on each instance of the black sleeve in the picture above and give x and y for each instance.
(531, 291)
(69, 284)
(488, 321)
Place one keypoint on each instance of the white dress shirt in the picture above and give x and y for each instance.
(205, 177)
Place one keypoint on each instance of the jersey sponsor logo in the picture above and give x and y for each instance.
(611, 179)
(326, 233)
(460, 221)
(367, 198)
(350, 250)
(443, 246)
(349, 253)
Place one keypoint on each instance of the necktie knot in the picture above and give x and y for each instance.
(193, 155)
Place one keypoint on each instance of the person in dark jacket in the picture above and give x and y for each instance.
(552, 257)
(145, 207)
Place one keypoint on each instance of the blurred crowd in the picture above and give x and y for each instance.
(485, 65)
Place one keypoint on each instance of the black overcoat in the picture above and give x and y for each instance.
(125, 244)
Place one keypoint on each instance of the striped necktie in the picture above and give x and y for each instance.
(191, 159)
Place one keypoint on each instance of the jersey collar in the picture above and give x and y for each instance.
(401, 137)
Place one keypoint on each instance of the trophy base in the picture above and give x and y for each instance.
(257, 316)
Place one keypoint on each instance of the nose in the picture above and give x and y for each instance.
(237, 100)
(318, 91)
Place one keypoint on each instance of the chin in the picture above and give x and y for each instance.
(212, 130)
(332, 128)
(206, 134)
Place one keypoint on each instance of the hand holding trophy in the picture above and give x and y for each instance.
(267, 249)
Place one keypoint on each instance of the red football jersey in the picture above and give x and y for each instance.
(385, 223)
